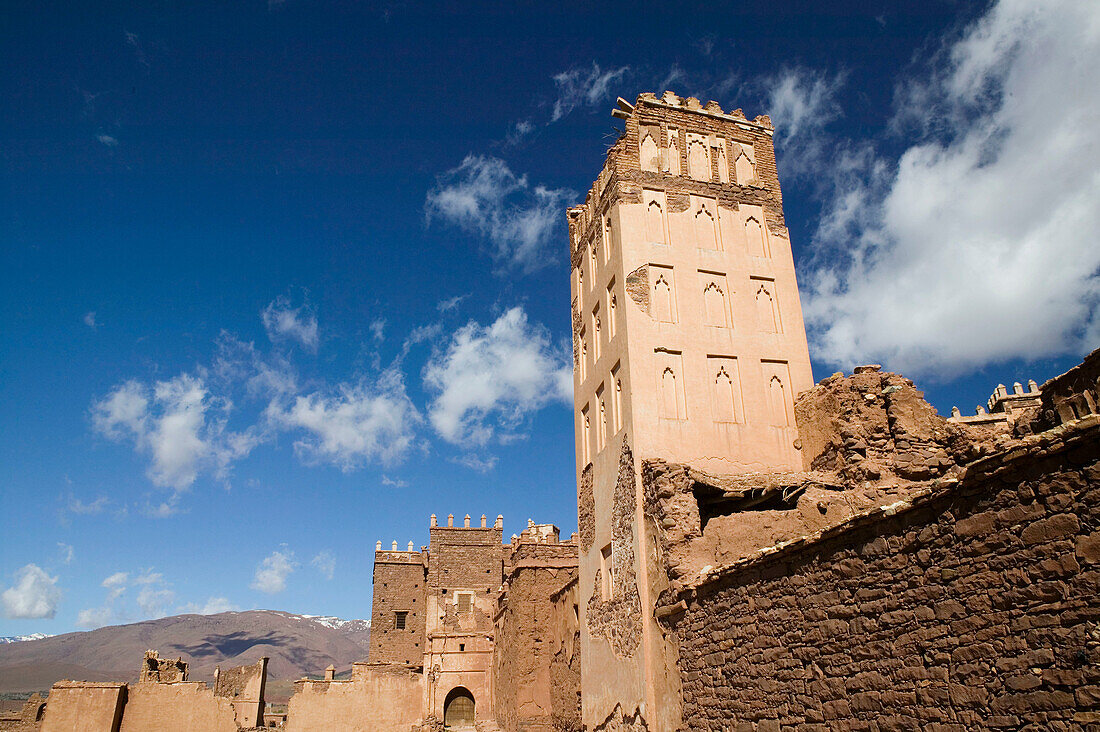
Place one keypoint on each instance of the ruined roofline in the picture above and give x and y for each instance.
(670, 100)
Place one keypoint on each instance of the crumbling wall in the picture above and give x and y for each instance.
(877, 426)
(244, 687)
(1071, 396)
(161, 670)
(618, 619)
(379, 698)
(84, 705)
(974, 608)
(177, 707)
(565, 663)
(28, 718)
(529, 627)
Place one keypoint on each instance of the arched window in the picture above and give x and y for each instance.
(458, 709)
(706, 229)
(674, 152)
(648, 153)
(754, 237)
(617, 404)
(586, 436)
(662, 300)
(743, 167)
(777, 403)
(724, 405)
(723, 163)
(655, 223)
(767, 311)
(601, 434)
(714, 304)
(669, 406)
(698, 160)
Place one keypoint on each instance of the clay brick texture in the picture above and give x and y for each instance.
(466, 558)
(399, 587)
(975, 609)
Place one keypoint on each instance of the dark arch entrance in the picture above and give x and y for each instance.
(458, 710)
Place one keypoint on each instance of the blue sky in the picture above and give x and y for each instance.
(282, 279)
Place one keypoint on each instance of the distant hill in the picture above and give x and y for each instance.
(298, 645)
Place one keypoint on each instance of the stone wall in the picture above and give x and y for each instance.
(529, 627)
(970, 605)
(379, 698)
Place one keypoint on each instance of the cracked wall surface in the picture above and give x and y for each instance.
(618, 618)
(586, 510)
(619, 721)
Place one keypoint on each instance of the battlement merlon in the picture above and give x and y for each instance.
(734, 162)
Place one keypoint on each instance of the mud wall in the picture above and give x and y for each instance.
(528, 643)
(177, 707)
(377, 699)
(94, 707)
(974, 608)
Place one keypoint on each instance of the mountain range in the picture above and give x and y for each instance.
(297, 646)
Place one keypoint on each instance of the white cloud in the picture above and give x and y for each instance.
(450, 303)
(116, 584)
(66, 552)
(284, 321)
(212, 606)
(801, 102)
(484, 197)
(378, 329)
(35, 594)
(178, 424)
(475, 463)
(359, 423)
(90, 321)
(273, 571)
(979, 244)
(492, 377)
(95, 617)
(519, 132)
(394, 482)
(75, 505)
(107, 140)
(325, 563)
(154, 601)
(581, 87)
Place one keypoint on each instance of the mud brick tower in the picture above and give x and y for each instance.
(689, 346)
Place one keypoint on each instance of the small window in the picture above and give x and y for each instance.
(608, 584)
(399, 620)
(464, 600)
(462, 646)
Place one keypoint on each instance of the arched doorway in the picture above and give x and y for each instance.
(458, 710)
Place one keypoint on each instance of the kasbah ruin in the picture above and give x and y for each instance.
(754, 551)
